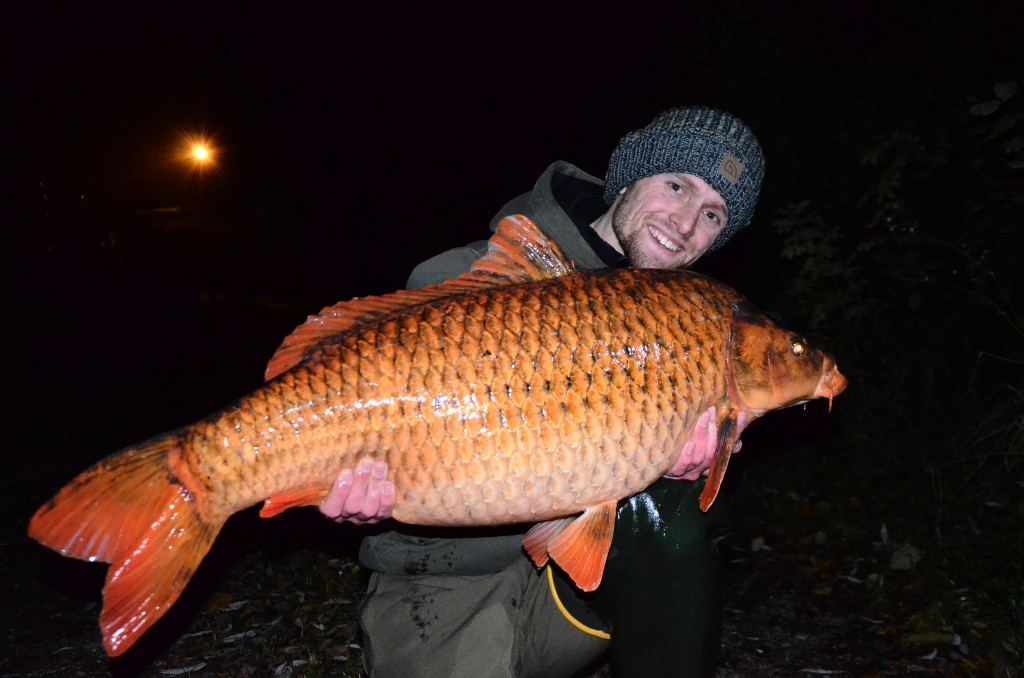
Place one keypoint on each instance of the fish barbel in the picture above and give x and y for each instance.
(522, 391)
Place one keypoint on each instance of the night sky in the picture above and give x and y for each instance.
(402, 120)
(356, 139)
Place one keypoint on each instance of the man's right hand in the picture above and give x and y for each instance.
(363, 497)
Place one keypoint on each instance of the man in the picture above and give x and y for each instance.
(448, 604)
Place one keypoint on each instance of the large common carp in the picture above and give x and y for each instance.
(522, 391)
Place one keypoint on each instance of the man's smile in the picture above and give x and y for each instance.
(662, 238)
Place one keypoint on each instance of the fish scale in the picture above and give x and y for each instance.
(523, 391)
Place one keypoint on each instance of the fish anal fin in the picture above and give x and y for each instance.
(727, 435)
(306, 495)
(536, 541)
(517, 252)
(131, 510)
(581, 548)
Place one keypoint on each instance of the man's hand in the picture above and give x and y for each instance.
(364, 497)
(695, 458)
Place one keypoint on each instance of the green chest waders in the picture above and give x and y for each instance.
(661, 592)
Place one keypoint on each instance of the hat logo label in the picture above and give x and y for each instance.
(731, 168)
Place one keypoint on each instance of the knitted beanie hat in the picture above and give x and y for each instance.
(708, 143)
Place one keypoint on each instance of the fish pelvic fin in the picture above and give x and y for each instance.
(131, 510)
(517, 252)
(536, 541)
(579, 546)
(727, 435)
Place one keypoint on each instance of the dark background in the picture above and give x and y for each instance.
(356, 139)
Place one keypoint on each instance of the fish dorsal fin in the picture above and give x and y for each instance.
(517, 252)
(336, 319)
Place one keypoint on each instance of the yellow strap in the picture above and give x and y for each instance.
(604, 635)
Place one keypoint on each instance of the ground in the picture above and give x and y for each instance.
(278, 597)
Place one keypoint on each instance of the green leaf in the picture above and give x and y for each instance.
(1013, 145)
(986, 107)
(1005, 90)
(1005, 123)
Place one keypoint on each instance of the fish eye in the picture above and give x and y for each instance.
(797, 347)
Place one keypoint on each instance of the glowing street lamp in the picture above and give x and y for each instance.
(198, 156)
(198, 152)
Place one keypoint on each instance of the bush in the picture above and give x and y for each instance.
(909, 275)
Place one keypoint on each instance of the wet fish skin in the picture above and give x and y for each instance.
(521, 392)
(580, 393)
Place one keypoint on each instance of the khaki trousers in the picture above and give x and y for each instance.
(471, 626)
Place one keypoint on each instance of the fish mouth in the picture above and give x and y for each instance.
(662, 239)
(832, 383)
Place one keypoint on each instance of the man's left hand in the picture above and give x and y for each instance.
(695, 458)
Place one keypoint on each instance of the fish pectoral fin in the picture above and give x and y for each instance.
(536, 541)
(581, 548)
(307, 495)
(727, 435)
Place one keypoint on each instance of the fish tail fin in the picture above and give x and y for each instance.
(133, 511)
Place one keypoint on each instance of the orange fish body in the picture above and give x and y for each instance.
(523, 391)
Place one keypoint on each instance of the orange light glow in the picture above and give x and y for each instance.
(198, 151)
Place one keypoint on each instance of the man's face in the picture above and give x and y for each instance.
(668, 220)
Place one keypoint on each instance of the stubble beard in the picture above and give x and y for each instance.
(624, 216)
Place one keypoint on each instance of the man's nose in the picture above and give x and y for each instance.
(684, 219)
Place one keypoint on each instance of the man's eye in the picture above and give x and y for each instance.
(675, 187)
(713, 217)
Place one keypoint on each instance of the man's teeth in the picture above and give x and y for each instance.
(665, 242)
